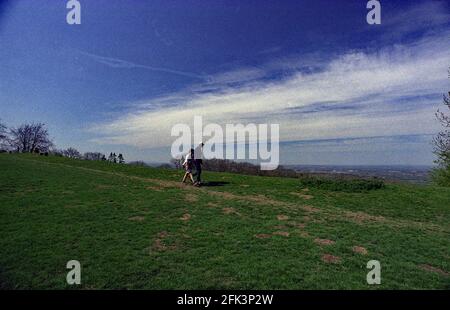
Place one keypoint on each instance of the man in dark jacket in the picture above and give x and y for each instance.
(198, 162)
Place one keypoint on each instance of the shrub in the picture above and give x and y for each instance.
(441, 176)
(341, 184)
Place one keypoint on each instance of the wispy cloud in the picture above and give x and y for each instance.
(240, 76)
(123, 64)
(425, 16)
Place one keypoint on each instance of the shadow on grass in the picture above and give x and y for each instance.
(214, 183)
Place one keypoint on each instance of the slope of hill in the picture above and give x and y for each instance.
(139, 227)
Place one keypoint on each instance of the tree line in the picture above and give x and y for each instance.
(35, 138)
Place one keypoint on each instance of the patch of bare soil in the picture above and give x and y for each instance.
(261, 199)
(224, 195)
(262, 236)
(331, 259)
(163, 234)
(359, 250)
(103, 186)
(324, 241)
(185, 217)
(136, 218)
(430, 268)
(166, 183)
(191, 198)
(362, 217)
(305, 189)
(309, 208)
(281, 233)
(244, 185)
(154, 188)
(282, 217)
(159, 244)
(303, 196)
(212, 204)
(280, 227)
(230, 210)
(304, 234)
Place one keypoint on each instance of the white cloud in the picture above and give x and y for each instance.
(374, 83)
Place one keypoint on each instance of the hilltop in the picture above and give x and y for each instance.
(139, 227)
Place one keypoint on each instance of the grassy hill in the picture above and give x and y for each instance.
(137, 227)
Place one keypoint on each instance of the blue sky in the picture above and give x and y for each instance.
(343, 92)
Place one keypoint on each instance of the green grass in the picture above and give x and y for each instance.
(124, 224)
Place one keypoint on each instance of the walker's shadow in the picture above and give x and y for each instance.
(215, 183)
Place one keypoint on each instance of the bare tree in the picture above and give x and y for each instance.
(120, 159)
(3, 136)
(56, 152)
(113, 158)
(442, 140)
(29, 138)
(2, 131)
(72, 153)
(93, 156)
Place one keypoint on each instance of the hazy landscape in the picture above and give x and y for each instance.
(411, 174)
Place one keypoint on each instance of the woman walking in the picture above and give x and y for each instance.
(188, 164)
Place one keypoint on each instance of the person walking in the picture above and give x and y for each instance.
(198, 162)
(188, 165)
